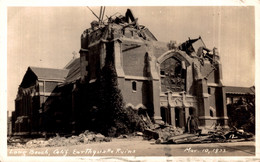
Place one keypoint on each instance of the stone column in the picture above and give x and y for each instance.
(102, 54)
(187, 114)
(203, 99)
(156, 101)
(189, 79)
(84, 58)
(181, 117)
(118, 64)
(155, 86)
(225, 115)
(173, 121)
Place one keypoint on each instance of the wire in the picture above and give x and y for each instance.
(93, 13)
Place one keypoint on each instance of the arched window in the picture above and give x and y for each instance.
(173, 75)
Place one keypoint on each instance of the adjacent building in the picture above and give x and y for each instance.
(38, 86)
(234, 94)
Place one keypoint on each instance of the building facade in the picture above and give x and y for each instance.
(169, 81)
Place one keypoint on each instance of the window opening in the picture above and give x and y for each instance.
(209, 90)
(134, 86)
(162, 72)
(211, 113)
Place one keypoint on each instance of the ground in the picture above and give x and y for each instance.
(136, 146)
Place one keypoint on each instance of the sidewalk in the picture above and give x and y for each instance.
(139, 147)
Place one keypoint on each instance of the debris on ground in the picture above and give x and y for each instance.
(167, 134)
(159, 133)
(162, 131)
(122, 136)
(83, 138)
(209, 136)
(139, 134)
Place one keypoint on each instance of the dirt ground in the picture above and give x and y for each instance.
(136, 146)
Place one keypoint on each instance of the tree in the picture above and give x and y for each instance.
(112, 115)
(242, 113)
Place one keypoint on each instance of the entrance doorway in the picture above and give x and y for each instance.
(179, 117)
(166, 115)
(192, 111)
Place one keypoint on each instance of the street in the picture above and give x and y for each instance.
(136, 146)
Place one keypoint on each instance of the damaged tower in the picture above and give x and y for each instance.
(170, 82)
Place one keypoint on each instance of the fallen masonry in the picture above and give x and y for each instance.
(83, 138)
(162, 134)
(170, 135)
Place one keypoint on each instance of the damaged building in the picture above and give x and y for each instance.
(169, 82)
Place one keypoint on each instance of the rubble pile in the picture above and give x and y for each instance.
(162, 132)
(166, 134)
(16, 142)
(209, 136)
(83, 138)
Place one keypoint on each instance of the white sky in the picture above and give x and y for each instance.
(47, 36)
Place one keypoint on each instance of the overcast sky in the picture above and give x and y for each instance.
(47, 36)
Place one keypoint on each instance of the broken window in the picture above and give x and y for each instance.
(173, 75)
